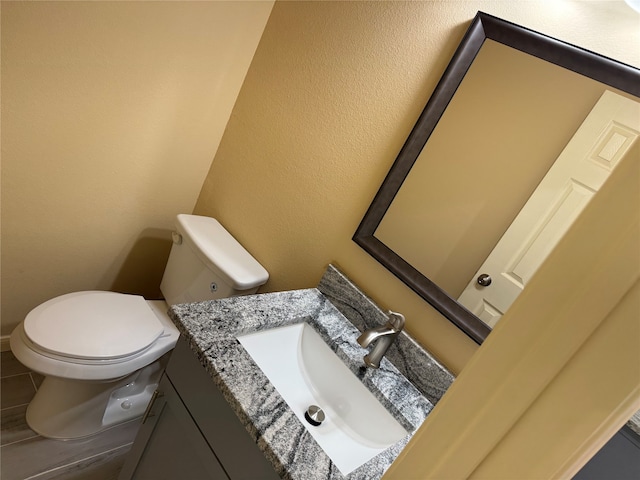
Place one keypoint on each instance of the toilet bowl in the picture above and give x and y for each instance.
(103, 353)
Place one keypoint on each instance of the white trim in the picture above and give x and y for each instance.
(4, 343)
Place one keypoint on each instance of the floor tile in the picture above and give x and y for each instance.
(36, 455)
(105, 466)
(26, 455)
(14, 425)
(37, 379)
(9, 365)
(16, 390)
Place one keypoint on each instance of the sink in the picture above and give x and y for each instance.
(305, 371)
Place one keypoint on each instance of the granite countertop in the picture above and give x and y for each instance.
(211, 329)
(409, 383)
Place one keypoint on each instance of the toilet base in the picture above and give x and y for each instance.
(67, 409)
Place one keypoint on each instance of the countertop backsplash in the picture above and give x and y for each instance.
(429, 376)
(413, 361)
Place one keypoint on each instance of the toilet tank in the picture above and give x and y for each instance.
(207, 263)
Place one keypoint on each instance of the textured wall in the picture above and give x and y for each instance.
(111, 115)
(331, 95)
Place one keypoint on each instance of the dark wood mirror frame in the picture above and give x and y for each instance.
(483, 27)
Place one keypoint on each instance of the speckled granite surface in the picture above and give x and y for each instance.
(211, 329)
(415, 363)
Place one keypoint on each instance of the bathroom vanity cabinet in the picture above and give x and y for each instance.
(191, 432)
(215, 404)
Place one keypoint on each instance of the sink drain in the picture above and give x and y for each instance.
(314, 415)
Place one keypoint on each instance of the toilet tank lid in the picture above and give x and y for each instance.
(221, 252)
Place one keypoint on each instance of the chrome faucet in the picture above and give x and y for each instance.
(385, 335)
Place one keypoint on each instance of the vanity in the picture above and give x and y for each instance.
(216, 414)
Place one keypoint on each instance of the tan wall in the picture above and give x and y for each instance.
(111, 115)
(332, 93)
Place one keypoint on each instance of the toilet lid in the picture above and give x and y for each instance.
(93, 325)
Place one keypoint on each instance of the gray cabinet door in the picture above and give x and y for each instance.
(234, 446)
(192, 433)
(169, 444)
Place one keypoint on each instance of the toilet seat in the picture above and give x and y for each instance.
(93, 326)
(50, 364)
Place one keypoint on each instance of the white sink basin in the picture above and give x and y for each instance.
(306, 372)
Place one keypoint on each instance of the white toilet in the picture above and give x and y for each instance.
(102, 353)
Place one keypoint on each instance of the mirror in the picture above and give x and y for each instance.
(489, 117)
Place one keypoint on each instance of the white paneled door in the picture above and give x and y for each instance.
(597, 147)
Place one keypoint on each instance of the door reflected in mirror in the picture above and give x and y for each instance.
(508, 105)
(488, 164)
(602, 142)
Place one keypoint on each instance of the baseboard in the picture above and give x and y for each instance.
(4, 343)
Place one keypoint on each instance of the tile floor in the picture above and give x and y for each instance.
(25, 455)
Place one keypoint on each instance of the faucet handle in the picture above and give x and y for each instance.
(396, 320)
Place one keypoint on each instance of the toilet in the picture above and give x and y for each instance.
(102, 353)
